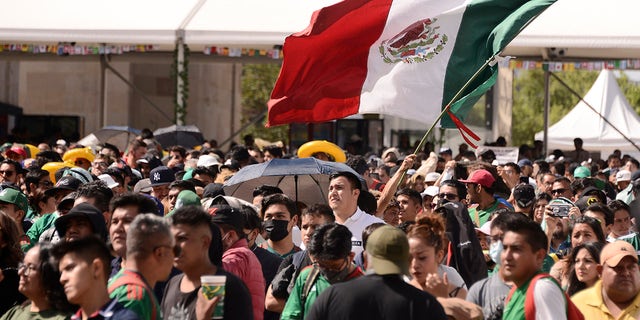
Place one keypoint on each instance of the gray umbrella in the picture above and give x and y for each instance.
(303, 179)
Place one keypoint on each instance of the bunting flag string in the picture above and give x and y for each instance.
(623, 64)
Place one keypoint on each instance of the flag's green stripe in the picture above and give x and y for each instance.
(487, 27)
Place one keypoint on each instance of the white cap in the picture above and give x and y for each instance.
(430, 191)
(108, 180)
(432, 177)
(206, 160)
(623, 175)
(486, 228)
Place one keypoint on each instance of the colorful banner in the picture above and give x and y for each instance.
(70, 50)
(627, 64)
(242, 52)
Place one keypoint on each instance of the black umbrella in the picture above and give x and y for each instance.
(175, 135)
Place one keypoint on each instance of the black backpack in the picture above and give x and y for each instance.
(464, 251)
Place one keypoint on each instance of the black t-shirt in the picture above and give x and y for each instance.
(270, 263)
(178, 305)
(375, 297)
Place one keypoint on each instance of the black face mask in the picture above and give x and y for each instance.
(276, 229)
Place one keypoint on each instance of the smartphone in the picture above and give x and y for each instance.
(559, 209)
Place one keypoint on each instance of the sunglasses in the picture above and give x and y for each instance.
(558, 191)
(448, 196)
(7, 173)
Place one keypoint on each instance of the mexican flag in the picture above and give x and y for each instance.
(406, 58)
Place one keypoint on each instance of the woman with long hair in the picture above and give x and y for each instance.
(10, 256)
(426, 246)
(542, 200)
(583, 230)
(583, 262)
(40, 283)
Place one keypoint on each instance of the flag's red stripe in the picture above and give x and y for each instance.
(325, 65)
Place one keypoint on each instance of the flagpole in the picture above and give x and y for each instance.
(455, 97)
(447, 107)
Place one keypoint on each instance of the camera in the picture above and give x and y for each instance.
(559, 209)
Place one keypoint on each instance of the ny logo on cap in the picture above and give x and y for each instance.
(156, 176)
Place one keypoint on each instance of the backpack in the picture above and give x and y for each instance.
(308, 284)
(464, 252)
(573, 313)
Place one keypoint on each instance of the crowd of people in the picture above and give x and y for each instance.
(96, 233)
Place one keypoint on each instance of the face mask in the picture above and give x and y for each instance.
(276, 229)
(495, 249)
(335, 276)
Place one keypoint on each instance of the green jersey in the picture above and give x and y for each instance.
(131, 290)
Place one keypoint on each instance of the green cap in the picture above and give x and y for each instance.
(16, 197)
(581, 172)
(186, 198)
(188, 174)
(388, 251)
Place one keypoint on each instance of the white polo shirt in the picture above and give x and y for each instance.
(356, 224)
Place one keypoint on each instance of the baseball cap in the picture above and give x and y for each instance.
(525, 162)
(19, 151)
(67, 201)
(388, 251)
(486, 228)
(445, 150)
(581, 172)
(85, 210)
(142, 186)
(614, 252)
(186, 198)
(16, 197)
(481, 177)
(430, 191)
(65, 183)
(108, 180)
(226, 214)
(161, 175)
(524, 194)
(212, 190)
(206, 160)
(431, 177)
(151, 160)
(623, 175)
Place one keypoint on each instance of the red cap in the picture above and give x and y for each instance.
(481, 177)
(19, 151)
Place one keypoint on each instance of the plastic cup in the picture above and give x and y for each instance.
(213, 286)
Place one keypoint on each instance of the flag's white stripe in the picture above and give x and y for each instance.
(404, 89)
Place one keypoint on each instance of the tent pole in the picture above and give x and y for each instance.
(598, 113)
(547, 108)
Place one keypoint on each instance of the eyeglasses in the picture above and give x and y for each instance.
(448, 196)
(7, 173)
(26, 269)
(558, 191)
(100, 164)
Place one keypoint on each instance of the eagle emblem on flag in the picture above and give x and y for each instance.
(418, 42)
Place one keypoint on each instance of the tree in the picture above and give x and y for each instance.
(528, 100)
(256, 85)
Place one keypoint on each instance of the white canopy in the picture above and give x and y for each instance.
(156, 22)
(583, 29)
(581, 122)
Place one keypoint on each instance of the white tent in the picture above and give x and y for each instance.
(606, 97)
(582, 29)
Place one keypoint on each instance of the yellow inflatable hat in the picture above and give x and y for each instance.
(31, 150)
(71, 155)
(52, 167)
(322, 146)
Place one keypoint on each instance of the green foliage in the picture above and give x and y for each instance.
(631, 90)
(256, 84)
(528, 100)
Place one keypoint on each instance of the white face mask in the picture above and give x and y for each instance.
(495, 249)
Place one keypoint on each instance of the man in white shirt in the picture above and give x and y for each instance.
(344, 190)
